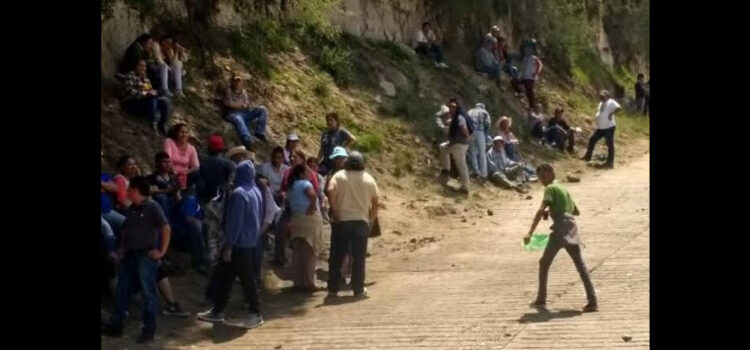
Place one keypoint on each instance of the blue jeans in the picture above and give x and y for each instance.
(109, 241)
(430, 50)
(137, 268)
(165, 202)
(493, 70)
(477, 154)
(609, 136)
(242, 119)
(115, 221)
(156, 108)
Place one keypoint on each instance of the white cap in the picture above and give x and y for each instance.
(443, 109)
(498, 138)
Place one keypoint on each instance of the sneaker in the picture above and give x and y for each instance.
(441, 65)
(180, 94)
(175, 309)
(463, 190)
(111, 331)
(254, 321)
(591, 307)
(167, 93)
(362, 295)
(333, 294)
(145, 337)
(210, 316)
(533, 178)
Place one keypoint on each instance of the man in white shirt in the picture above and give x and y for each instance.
(428, 45)
(605, 127)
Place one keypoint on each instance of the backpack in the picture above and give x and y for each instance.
(454, 125)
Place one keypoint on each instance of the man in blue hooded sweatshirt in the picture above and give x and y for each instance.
(241, 230)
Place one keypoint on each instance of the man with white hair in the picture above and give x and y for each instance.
(605, 127)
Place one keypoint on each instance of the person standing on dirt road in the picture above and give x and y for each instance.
(480, 121)
(605, 127)
(558, 204)
(139, 254)
(354, 203)
(241, 232)
(459, 136)
(242, 116)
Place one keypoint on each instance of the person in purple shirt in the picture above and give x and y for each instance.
(241, 230)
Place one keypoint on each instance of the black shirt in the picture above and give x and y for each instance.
(640, 89)
(558, 121)
(215, 171)
(142, 226)
(163, 182)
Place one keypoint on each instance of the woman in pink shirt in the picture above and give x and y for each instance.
(183, 155)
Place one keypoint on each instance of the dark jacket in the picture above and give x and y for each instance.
(133, 54)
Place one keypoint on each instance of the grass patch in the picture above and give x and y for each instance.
(396, 50)
(369, 142)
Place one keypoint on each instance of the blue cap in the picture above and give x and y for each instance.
(338, 152)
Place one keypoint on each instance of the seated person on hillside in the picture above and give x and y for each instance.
(511, 146)
(428, 45)
(164, 186)
(170, 57)
(503, 171)
(536, 122)
(486, 62)
(139, 50)
(215, 170)
(142, 99)
(558, 132)
(242, 116)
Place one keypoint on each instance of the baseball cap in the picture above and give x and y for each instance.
(216, 143)
(338, 152)
(292, 137)
(443, 109)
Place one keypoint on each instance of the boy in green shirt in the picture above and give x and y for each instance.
(564, 235)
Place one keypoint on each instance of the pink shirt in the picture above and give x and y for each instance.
(182, 159)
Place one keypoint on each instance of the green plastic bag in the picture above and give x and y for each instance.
(537, 242)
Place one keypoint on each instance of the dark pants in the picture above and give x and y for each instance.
(545, 262)
(156, 108)
(560, 137)
(242, 265)
(347, 234)
(188, 236)
(609, 136)
(258, 260)
(280, 242)
(137, 268)
(529, 86)
(431, 50)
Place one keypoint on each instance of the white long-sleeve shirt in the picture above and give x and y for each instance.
(497, 161)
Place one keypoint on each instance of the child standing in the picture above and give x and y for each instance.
(564, 235)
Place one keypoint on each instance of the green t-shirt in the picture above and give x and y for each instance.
(559, 200)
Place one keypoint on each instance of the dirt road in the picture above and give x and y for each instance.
(470, 288)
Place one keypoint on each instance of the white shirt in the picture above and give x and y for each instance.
(603, 110)
(422, 38)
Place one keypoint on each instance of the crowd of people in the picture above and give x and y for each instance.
(222, 206)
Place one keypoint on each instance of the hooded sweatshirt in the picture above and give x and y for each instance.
(244, 211)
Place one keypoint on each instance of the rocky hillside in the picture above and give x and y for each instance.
(306, 58)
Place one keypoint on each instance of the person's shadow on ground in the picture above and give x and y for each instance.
(544, 315)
